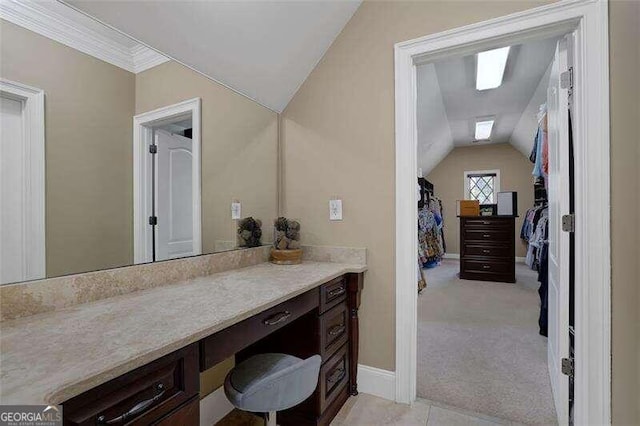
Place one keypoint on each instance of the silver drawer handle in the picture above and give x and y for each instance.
(136, 409)
(336, 292)
(486, 251)
(484, 222)
(486, 267)
(336, 330)
(336, 376)
(486, 235)
(277, 318)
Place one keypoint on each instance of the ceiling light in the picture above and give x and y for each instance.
(483, 129)
(490, 69)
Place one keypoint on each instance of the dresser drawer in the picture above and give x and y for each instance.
(488, 223)
(217, 347)
(332, 293)
(488, 235)
(334, 377)
(487, 250)
(139, 397)
(334, 331)
(486, 266)
(186, 415)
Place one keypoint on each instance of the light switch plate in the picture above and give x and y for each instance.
(236, 211)
(335, 209)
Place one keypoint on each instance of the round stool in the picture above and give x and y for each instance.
(267, 383)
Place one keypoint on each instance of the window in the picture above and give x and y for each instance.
(482, 185)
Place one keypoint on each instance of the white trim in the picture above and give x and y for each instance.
(142, 138)
(34, 255)
(589, 19)
(47, 23)
(520, 259)
(214, 407)
(451, 256)
(377, 382)
(496, 182)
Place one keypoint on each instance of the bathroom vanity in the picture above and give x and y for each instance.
(136, 358)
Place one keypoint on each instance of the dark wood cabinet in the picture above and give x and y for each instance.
(487, 248)
(323, 320)
(143, 396)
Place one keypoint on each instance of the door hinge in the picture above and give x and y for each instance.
(568, 367)
(153, 220)
(153, 149)
(569, 222)
(566, 79)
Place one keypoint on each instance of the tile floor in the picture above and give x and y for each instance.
(367, 410)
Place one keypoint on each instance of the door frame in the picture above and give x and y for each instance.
(589, 20)
(143, 125)
(33, 158)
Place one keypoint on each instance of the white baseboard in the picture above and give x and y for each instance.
(520, 259)
(377, 382)
(214, 407)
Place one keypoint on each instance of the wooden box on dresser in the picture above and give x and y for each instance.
(487, 248)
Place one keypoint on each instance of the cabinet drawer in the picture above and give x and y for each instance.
(333, 330)
(332, 293)
(186, 415)
(334, 376)
(139, 397)
(487, 250)
(231, 340)
(488, 222)
(486, 266)
(488, 234)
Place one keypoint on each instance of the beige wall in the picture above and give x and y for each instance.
(338, 138)
(88, 108)
(239, 148)
(448, 180)
(624, 33)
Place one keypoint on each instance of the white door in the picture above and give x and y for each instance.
(558, 296)
(12, 176)
(174, 197)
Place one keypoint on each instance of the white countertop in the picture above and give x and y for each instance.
(51, 357)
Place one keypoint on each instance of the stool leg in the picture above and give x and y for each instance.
(271, 419)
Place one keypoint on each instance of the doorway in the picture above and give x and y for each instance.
(22, 183)
(590, 121)
(167, 216)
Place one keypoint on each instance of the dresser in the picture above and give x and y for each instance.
(487, 248)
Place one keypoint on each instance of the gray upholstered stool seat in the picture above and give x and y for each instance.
(267, 383)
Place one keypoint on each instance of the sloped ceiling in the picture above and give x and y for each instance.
(264, 50)
(451, 122)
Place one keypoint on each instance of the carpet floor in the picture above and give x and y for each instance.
(479, 347)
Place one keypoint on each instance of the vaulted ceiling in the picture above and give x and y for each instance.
(264, 50)
(448, 103)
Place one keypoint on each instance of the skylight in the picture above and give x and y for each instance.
(483, 129)
(490, 69)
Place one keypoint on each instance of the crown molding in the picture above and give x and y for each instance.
(47, 23)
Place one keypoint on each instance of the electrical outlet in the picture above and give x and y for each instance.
(236, 210)
(335, 209)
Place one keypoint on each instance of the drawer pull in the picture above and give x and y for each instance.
(486, 235)
(336, 330)
(336, 376)
(485, 222)
(277, 318)
(486, 267)
(336, 292)
(486, 251)
(136, 409)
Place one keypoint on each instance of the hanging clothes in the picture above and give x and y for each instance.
(430, 236)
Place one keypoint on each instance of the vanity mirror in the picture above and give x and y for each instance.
(113, 154)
